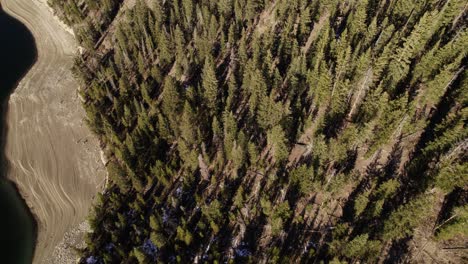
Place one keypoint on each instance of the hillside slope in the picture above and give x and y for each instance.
(276, 131)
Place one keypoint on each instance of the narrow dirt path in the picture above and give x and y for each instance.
(315, 31)
(54, 160)
(266, 19)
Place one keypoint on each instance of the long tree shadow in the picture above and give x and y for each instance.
(17, 225)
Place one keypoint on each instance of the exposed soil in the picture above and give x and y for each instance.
(54, 159)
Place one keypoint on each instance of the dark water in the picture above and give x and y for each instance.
(17, 226)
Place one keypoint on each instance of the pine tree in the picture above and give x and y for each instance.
(455, 225)
(303, 178)
(270, 113)
(165, 54)
(171, 102)
(320, 85)
(402, 222)
(225, 7)
(358, 19)
(230, 133)
(254, 88)
(210, 85)
(413, 45)
(277, 141)
(187, 126)
(441, 82)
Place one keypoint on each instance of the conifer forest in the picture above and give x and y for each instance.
(276, 131)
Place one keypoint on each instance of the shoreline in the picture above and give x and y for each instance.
(4, 162)
(28, 210)
(58, 189)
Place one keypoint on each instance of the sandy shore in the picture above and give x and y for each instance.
(54, 159)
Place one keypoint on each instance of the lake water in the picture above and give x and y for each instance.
(17, 226)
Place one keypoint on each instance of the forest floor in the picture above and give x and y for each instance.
(54, 159)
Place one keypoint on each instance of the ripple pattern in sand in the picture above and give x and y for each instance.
(54, 159)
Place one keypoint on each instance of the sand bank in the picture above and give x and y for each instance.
(53, 157)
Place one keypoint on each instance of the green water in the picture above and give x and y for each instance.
(17, 226)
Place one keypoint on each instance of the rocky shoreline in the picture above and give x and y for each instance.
(53, 158)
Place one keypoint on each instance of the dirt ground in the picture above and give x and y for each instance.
(54, 159)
